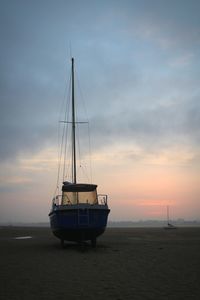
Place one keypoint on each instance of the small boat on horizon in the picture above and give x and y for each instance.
(78, 213)
(169, 225)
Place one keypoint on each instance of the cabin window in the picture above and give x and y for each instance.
(79, 197)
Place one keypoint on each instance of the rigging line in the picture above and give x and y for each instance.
(60, 145)
(79, 148)
(87, 118)
(90, 152)
(66, 117)
(65, 129)
(61, 153)
(85, 173)
(78, 143)
(57, 180)
(63, 104)
(82, 98)
(81, 165)
(68, 154)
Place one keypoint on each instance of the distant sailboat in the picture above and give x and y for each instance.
(78, 213)
(169, 225)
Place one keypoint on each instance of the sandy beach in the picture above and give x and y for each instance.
(128, 263)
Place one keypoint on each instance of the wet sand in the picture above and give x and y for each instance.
(128, 263)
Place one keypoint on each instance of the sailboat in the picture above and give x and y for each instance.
(78, 213)
(169, 225)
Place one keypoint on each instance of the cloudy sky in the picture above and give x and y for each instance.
(137, 71)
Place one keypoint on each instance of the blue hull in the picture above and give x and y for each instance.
(78, 224)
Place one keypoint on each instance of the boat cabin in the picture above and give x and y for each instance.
(76, 193)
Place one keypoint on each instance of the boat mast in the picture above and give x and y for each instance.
(73, 129)
(168, 214)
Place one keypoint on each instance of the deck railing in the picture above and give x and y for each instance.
(102, 199)
(57, 200)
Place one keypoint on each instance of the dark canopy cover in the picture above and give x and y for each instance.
(78, 187)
